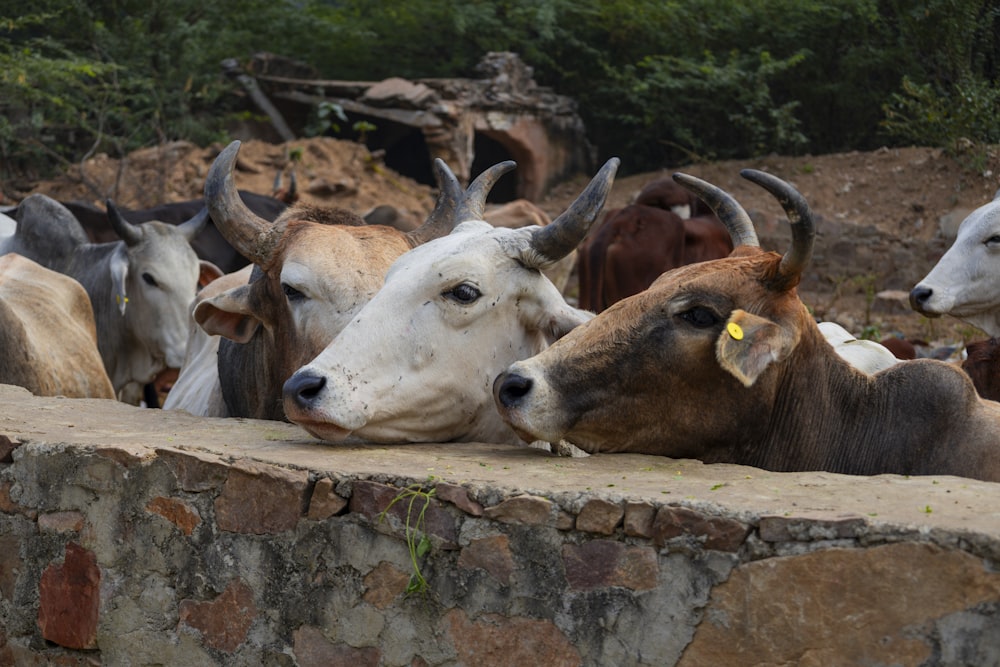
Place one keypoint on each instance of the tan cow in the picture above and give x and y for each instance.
(48, 340)
(721, 361)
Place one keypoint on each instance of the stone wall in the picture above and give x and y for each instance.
(143, 537)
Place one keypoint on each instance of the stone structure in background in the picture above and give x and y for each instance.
(469, 123)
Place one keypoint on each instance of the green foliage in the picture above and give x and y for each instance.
(417, 542)
(656, 81)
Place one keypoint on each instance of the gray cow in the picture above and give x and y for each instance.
(140, 287)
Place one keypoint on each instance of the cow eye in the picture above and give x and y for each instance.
(700, 317)
(291, 293)
(993, 240)
(463, 293)
(150, 280)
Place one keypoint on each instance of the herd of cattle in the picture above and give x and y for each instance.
(691, 340)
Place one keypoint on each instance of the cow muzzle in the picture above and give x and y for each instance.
(920, 300)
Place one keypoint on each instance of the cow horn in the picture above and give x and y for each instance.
(473, 203)
(561, 236)
(442, 219)
(799, 216)
(726, 208)
(196, 225)
(252, 236)
(125, 230)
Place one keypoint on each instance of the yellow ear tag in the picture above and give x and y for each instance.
(735, 331)
(119, 297)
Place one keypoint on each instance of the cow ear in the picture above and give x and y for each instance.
(119, 274)
(749, 344)
(556, 323)
(228, 314)
(207, 272)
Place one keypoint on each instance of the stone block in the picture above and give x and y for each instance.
(493, 640)
(526, 509)
(313, 649)
(261, 499)
(69, 599)
(181, 513)
(599, 516)
(459, 497)
(60, 522)
(639, 519)
(717, 533)
(491, 554)
(384, 584)
(7, 447)
(194, 471)
(811, 528)
(325, 502)
(225, 621)
(371, 499)
(604, 563)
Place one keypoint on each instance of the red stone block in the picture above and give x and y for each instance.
(719, 534)
(493, 640)
(69, 599)
(178, 512)
(7, 447)
(313, 649)
(224, 621)
(371, 499)
(604, 563)
(261, 499)
(491, 554)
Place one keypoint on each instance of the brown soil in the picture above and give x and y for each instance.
(884, 216)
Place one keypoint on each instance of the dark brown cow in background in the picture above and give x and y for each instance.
(983, 365)
(665, 227)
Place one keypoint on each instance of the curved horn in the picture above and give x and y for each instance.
(125, 230)
(442, 219)
(252, 236)
(473, 203)
(799, 216)
(726, 208)
(196, 225)
(561, 236)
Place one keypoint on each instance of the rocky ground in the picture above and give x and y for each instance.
(884, 216)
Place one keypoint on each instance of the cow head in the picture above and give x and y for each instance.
(154, 276)
(314, 269)
(691, 363)
(417, 362)
(965, 283)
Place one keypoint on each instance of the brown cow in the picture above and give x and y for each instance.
(48, 338)
(721, 361)
(665, 227)
(983, 365)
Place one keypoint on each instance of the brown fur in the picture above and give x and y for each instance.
(663, 373)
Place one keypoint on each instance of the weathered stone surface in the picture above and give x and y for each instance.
(7, 504)
(603, 563)
(69, 599)
(491, 554)
(60, 522)
(459, 497)
(599, 516)
(493, 640)
(10, 564)
(261, 499)
(526, 509)
(224, 621)
(181, 513)
(864, 606)
(639, 519)
(325, 502)
(384, 584)
(716, 532)
(372, 499)
(810, 528)
(195, 471)
(313, 649)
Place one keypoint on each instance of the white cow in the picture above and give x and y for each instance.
(865, 355)
(417, 363)
(965, 283)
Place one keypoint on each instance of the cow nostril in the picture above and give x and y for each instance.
(919, 296)
(512, 388)
(304, 388)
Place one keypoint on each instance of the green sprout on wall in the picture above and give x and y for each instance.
(417, 541)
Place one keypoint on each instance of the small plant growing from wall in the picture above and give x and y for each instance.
(417, 542)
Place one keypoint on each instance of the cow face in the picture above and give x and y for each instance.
(712, 338)
(316, 282)
(418, 361)
(965, 283)
(153, 281)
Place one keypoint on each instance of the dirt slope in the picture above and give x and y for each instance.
(884, 216)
